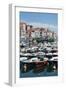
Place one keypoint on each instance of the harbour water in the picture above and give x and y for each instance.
(44, 73)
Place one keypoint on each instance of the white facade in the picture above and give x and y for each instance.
(37, 33)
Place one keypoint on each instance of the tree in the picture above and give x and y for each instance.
(51, 40)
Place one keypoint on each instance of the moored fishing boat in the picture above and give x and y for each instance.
(48, 55)
(39, 65)
(55, 54)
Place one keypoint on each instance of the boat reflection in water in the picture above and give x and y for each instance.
(25, 65)
(53, 64)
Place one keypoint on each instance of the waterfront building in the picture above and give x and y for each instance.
(22, 29)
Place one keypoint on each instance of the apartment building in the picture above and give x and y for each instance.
(22, 29)
(28, 31)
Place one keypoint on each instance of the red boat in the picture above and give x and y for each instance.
(39, 65)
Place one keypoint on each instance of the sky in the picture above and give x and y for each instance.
(40, 19)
